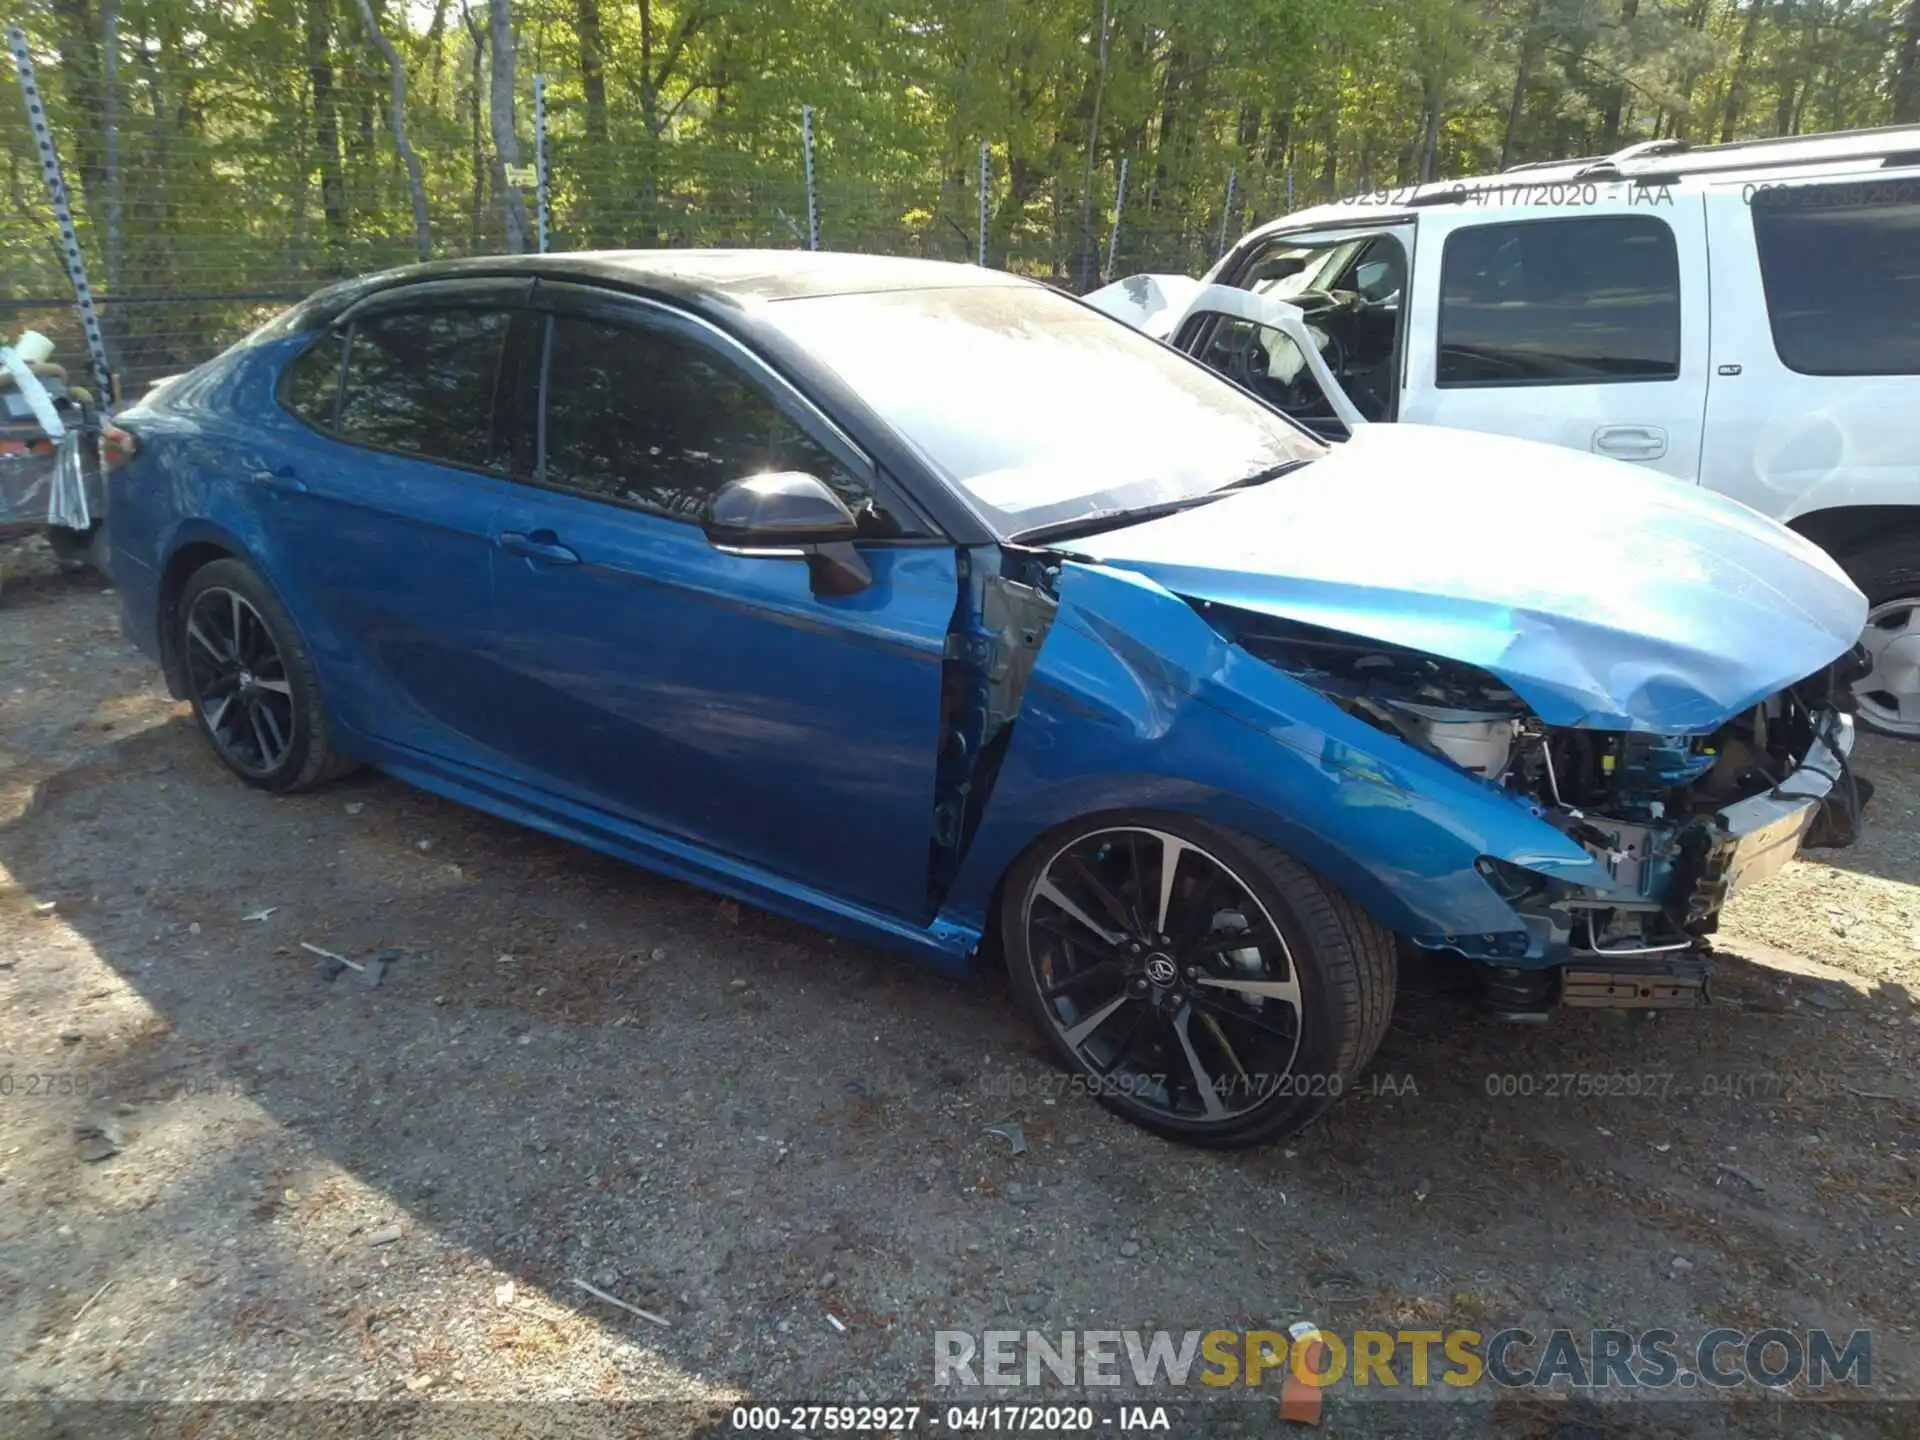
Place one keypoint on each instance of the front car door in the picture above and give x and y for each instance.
(1581, 327)
(382, 524)
(1350, 286)
(712, 696)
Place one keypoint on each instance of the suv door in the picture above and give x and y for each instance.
(1816, 355)
(1350, 286)
(710, 694)
(1585, 328)
(383, 525)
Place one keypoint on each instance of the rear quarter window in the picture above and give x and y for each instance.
(1840, 265)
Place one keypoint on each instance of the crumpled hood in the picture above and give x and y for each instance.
(1605, 595)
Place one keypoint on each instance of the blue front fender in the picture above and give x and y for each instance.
(1137, 702)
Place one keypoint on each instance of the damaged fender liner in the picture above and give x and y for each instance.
(993, 645)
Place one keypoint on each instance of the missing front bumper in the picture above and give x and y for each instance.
(1625, 984)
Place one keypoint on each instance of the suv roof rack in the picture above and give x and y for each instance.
(1891, 144)
(1609, 167)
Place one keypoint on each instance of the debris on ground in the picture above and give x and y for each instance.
(1010, 1132)
(599, 1294)
(97, 1142)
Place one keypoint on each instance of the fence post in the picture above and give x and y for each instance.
(1289, 208)
(62, 213)
(983, 202)
(813, 209)
(1226, 211)
(1113, 235)
(540, 155)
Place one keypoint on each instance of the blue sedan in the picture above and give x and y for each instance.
(928, 604)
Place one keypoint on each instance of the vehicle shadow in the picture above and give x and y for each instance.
(1886, 847)
(778, 1143)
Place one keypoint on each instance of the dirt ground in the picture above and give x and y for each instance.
(224, 1177)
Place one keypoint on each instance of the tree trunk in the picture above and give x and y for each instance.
(79, 51)
(506, 144)
(1430, 129)
(1617, 92)
(476, 152)
(110, 120)
(1737, 86)
(416, 180)
(1906, 70)
(1682, 114)
(593, 72)
(436, 53)
(1086, 264)
(326, 131)
(1522, 78)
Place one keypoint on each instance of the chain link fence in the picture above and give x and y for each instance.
(203, 207)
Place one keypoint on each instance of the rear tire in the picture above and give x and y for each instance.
(255, 696)
(1224, 1004)
(1888, 699)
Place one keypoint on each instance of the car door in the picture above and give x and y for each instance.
(1584, 328)
(1350, 285)
(381, 525)
(1816, 348)
(707, 694)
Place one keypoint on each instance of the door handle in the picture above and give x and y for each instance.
(541, 545)
(1630, 442)
(282, 479)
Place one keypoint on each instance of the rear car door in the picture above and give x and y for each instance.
(1584, 327)
(1816, 343)
(708, 694)
(383, 527)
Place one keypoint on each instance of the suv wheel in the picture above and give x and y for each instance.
(1888, 697)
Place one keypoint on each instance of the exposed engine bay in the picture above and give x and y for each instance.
(1675, 821)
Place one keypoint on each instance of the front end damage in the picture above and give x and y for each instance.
(1674, 823)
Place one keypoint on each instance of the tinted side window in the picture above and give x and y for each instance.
(1841, 268)
(647, 418)
(1560, 302)
(312, 385)
(422, 383)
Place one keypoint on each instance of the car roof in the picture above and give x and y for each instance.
(706, 279)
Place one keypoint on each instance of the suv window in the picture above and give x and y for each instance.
(311, 389)
(647, 418)
(422, 382)
(1573, 301)
(1840, 265)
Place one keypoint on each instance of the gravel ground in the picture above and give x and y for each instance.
(227, 1178)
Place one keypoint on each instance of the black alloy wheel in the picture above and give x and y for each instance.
(1205, 985)
(254, 693)
(239, 681)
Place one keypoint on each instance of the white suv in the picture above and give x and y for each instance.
(1743, 316)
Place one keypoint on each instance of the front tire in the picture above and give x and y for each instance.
(1205, 985)
(1888, 698)
(252, 685)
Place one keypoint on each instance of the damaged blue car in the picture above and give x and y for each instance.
(930, 605)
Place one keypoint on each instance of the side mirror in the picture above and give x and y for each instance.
(790, 514)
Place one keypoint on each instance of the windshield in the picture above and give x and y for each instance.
(1038, 408)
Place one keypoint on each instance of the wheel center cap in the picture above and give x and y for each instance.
(1161, 970)
(246, 680)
